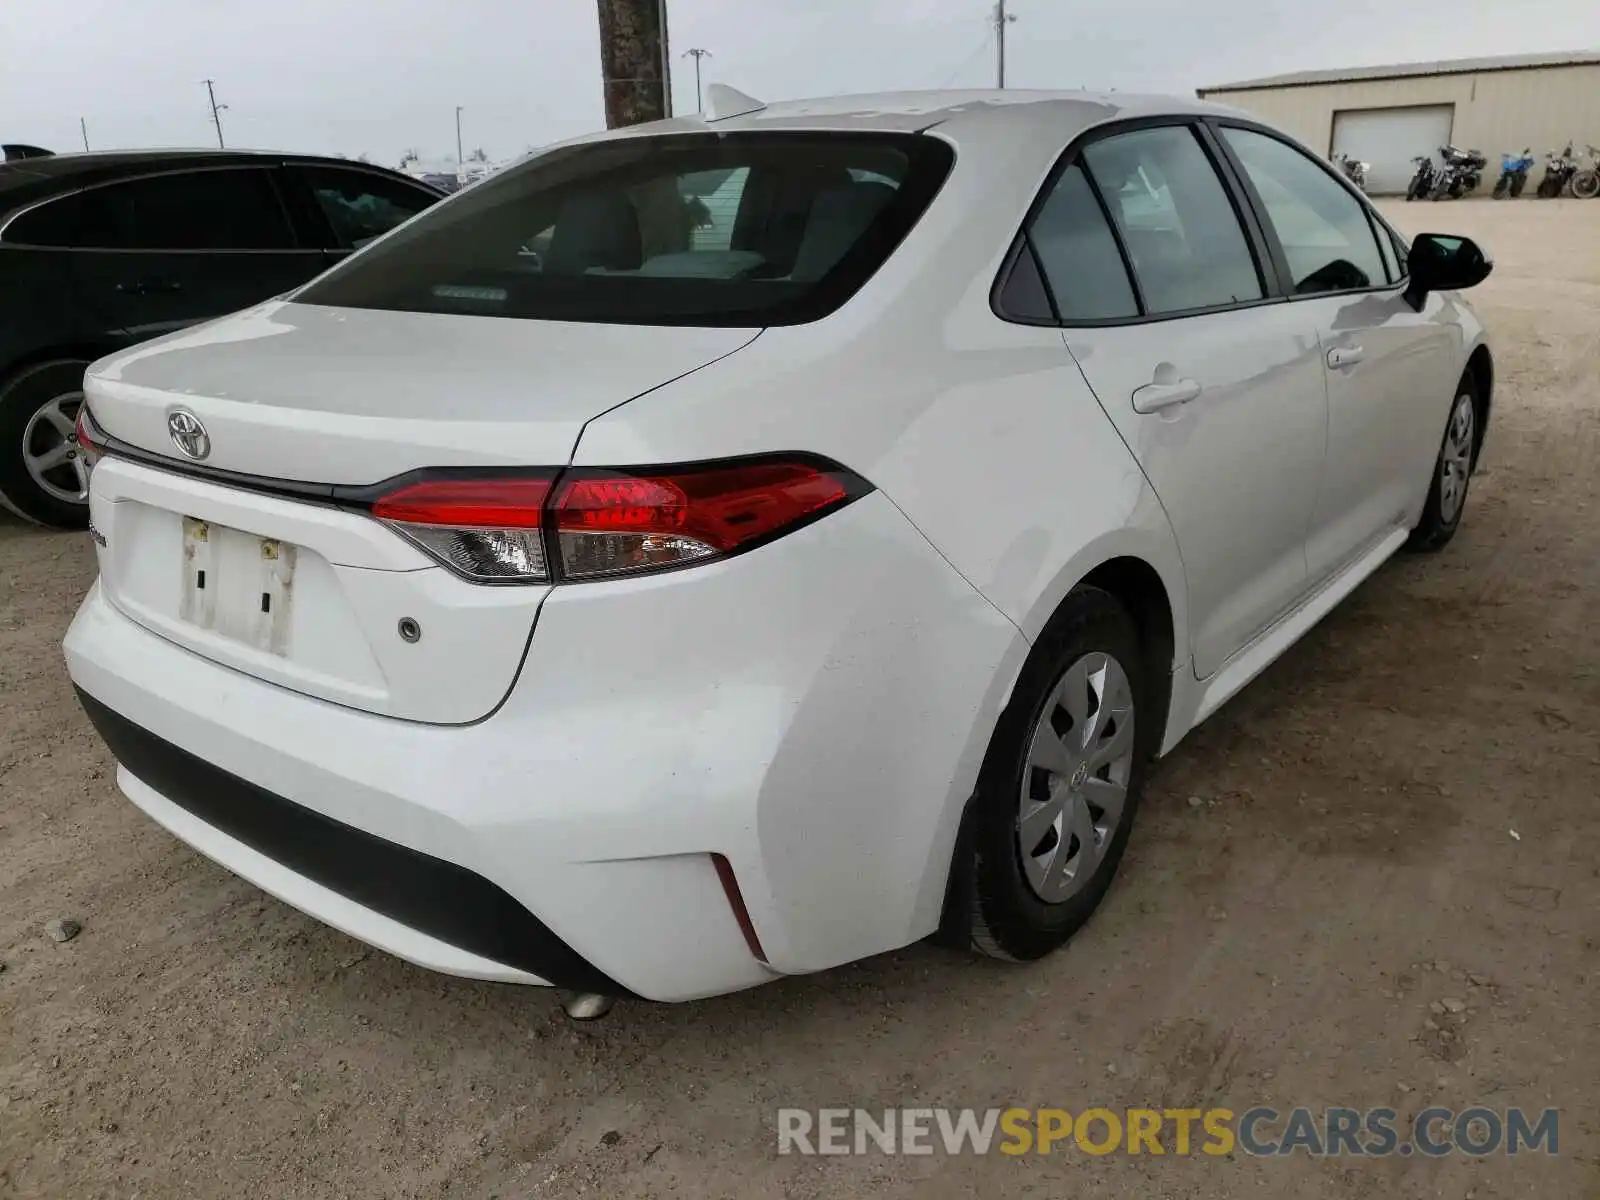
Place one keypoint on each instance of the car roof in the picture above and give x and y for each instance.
(28, 180)
(1011, 112)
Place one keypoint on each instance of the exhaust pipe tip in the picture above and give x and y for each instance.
(588, 1006)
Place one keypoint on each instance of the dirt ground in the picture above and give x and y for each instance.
(1403, 811)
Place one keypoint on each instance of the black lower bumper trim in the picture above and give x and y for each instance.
(430, 895)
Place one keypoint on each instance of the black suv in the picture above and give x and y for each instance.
(99, 251)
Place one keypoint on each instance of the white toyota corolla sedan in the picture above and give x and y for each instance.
(723, 549)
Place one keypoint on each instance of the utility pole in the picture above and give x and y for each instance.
(1001, 20)
(633, 62)
(459, 159)
(697, 54)
(216, 109)
(83, 127)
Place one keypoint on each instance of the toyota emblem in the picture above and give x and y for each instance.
(188, 435)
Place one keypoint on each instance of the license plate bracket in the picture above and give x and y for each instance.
(237, 585)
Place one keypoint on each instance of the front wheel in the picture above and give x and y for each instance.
(43, 475)
(1502, 188)
(1452, 472)
(1586, 186)
(1059, 787)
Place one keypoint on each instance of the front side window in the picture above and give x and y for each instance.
(696, 229)
(1188, 248)
(361, 206)
(194, 210)
(1323, 228)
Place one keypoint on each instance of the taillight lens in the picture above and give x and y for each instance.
(91, 440)
(612, 522)
(486, 529)
(598, 524)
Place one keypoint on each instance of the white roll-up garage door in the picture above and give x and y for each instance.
(1389, 138)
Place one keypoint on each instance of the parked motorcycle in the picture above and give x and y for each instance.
(1463, 172)
(1514, 170)
(1559, 168)
(1586, 183)
(1354, 170)
(1422, 182)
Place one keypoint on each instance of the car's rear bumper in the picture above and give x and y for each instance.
(423, 908)
(814, 713)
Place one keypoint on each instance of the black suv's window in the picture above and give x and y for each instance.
(360, 205)
(695, 229)
(193, 210)
(1182, 233)
(1323, 228)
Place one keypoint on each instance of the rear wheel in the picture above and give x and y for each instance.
(1586, 186)
(1452, 472)
(1059, 787)
(43, 475)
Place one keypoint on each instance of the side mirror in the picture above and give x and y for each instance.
(1444, 262)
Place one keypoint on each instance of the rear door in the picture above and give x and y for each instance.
(160, 252)
(1219, 395)
(1388, 366)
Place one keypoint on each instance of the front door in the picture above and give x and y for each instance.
(1384, 361)
(1220, 397)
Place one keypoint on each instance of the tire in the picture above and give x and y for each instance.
(1452, 473)
(1502, 188)
(1547, 190)
(1586, 185)
(1517, 184)
(1018, 902)
(37, 406)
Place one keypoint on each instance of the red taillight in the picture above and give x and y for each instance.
(604, 523)
(91, 441)
(480, 503)
(609, 522)
(487, 529)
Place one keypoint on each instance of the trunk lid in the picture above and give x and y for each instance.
(319, 599)
(353, 396)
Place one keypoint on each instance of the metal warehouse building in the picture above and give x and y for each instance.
(1387, 116)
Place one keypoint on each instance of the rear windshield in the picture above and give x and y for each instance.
(698, 229)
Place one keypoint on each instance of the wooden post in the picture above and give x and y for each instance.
(633, 61)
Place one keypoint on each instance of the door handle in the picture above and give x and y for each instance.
(1153, 397)
(149, 287)
(1345, 356)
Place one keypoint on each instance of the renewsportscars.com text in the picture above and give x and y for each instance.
(1260, 1131)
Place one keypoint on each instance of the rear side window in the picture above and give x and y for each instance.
(1323, 228)
(1182, 233)
(198, 210)
(1079, 255)
(361, 206)
(696, 229)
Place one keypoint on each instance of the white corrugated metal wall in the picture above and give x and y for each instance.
(1495, 111)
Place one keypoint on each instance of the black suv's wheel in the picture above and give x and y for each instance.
(1452, 472)
(43, 475)
(1059, 787)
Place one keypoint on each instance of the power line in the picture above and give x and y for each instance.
(969, 60)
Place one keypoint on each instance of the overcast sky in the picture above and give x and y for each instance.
(378, 76)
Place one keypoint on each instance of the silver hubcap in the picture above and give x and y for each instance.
(50, 450)
(1075, 783)
(1455, 459)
